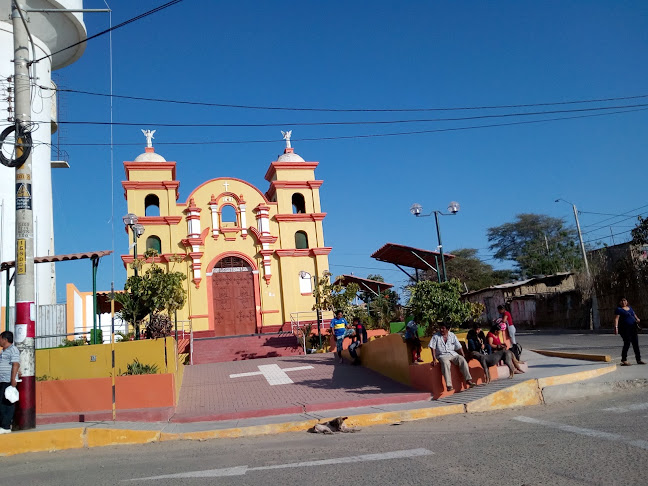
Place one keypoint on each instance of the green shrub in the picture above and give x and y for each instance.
(75, 342)
(137, 368)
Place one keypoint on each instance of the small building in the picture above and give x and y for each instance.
(546, 301)
(250, 256)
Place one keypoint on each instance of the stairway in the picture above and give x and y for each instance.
(237, 348)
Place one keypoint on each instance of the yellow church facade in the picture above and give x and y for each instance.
(251, 258)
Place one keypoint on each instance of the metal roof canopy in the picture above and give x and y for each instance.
(408, 256)
(60, 258)
(374, 286)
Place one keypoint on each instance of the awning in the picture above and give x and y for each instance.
(408, 256)
(374, 286)
(60, 258)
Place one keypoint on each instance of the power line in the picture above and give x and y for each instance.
(611, 224)
(344, 110)
(375, 135)
(129, 21)
(366, 122)
(615, 216)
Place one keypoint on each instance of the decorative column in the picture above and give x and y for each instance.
(243, 217)
(263, 224)
(194, 240)
(213, 207)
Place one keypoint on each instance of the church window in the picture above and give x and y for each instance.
(228, 214)
(305, 284)
(301, 240)
(152, 205)
(298, 203)
(154, 243)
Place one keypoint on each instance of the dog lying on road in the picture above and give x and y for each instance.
(335, 425)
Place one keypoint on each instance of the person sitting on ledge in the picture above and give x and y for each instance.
(478, 348)
(501, 353)
(444, 346)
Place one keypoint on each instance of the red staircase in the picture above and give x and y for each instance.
(223, 349)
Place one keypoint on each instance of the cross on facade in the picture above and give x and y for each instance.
(272, 373)
(226, 184)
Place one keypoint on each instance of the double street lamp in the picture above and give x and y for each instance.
(453, 208)
(131, 221)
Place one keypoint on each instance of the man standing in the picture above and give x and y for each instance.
(339, 326)
(412, 340)
(444, 346)
(9, 364)
(507, 319)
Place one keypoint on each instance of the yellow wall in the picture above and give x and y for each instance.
(74, 362)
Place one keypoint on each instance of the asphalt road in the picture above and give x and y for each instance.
(579, 342)
(589, 442)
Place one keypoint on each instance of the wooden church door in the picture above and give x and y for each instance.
(233, 298)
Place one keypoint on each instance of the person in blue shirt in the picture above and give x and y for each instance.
(339, 326)
(412, 340)
(625, 323)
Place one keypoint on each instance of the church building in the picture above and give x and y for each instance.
(251, 257)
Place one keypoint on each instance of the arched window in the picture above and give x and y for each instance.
(301, 240)
(228, 214)
(152, 205)
(154, 243)
(298, 203)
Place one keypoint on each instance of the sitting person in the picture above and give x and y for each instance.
(360, 331)
(444, 346)
(413, 342)
(478, 348)
(501, 353)
(353, 347)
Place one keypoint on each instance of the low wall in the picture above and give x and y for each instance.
(95, 394)
(94, 361)
(389, 356)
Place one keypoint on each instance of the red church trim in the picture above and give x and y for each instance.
(289, 165)
(300, 217)
(150, 185)
(147, 166)
(160, 220)
(274, 185)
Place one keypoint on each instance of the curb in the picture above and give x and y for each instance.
(530, 392)
(587, 357)
(576, 391)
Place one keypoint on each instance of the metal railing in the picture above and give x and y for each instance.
(303, 319)
(184, 331)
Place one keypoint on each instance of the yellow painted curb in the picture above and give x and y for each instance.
(520, 395)
(42, 441)
(587, 357)
(240, 431)
(574, 377)
(107, 437)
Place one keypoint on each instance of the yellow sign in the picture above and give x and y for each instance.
(21, 257)
(23, 191)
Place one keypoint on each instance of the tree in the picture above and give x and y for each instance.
(156, 291)
(381, 307)
(640, 232)
(474, 273)
(431, 302)
(334, 297)
(538, 244)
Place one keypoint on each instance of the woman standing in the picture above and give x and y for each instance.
(627, 327)
(507, 319)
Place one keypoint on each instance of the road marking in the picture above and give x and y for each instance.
(241, 470)
(627, 408)
(272, 373)
(642, 444)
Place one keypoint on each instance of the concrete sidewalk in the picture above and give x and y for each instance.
(545, 374)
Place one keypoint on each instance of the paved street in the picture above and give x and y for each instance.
(589, 442)
(579, 342)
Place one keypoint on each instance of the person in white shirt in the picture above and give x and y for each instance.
(444, 346)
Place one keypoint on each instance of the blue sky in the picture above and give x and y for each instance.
(362, 54)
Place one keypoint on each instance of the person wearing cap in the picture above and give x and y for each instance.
(9, 364)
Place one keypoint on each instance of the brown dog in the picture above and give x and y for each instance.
(335, 425)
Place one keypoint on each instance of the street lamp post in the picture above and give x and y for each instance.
(131, 221)
(453, 208)
(595, 314)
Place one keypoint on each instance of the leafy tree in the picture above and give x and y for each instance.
(334, 297)
(156, 291)
(381, 307)
(431, 302)
(640, 232)
(474, 273)
(538, 244)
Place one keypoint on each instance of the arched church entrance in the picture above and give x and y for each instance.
(234, 308)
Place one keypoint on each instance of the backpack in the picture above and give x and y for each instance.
(517, 350)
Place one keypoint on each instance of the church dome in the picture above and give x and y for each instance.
(149, 156)
(290, 157)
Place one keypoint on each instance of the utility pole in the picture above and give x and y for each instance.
(595, 323)
(25, 328)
